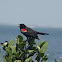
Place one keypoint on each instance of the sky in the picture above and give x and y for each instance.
(44, 13)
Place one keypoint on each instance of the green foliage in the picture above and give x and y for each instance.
(0, 60)
(23, 51)
(55, 60)
(17, 61)
(11, 42)
(28, 59)
(59, 60)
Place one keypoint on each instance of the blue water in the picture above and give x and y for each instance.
(54, 40)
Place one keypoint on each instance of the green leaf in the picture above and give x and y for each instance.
(13, 49)
(4, 44)
(17, 61)
(16, 38)
(38, 47)
(11, 42)
(20, 45)
(26, 44)
(37, 58)
(30, 51)
(4, 60)
(31, 54)
(0, 60)
(10, 53)
(42, 60)
(45, 58)
(40, 54)
(42, 43)
(20, 38)
(55, 60)
(47, 55)
(28, 59)
(45, 47)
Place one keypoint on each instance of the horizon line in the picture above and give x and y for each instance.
(31, 26)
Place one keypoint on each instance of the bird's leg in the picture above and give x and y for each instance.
(27, 38)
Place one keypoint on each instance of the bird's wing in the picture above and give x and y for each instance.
(31, 32)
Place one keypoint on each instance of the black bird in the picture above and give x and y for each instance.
(29, 33)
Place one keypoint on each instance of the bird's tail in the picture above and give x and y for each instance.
(42, 33)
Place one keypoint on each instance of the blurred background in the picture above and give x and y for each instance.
(44, 13)
(40, 15)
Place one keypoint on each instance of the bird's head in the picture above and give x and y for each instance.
(22, 26)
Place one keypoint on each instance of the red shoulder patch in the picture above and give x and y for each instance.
(23, 30)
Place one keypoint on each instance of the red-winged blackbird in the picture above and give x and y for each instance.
(29, 33)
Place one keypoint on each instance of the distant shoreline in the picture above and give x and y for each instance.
(6, 25)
